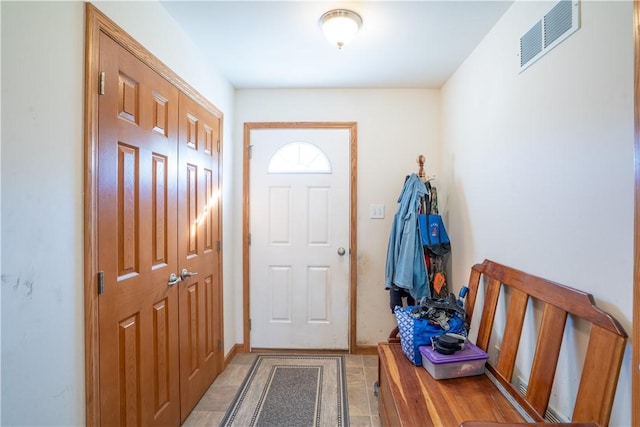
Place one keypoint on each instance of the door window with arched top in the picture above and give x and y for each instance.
(299, 157)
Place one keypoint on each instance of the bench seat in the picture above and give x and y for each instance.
(404, 401)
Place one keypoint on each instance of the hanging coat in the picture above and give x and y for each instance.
(405, 266)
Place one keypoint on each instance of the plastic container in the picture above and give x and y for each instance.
(463, 363)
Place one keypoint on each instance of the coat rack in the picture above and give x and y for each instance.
(421, 159)
(423, 176)
(435, 264)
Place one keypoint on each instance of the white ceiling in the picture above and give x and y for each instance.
(277, 44)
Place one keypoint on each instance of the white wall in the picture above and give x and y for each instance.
(539, 165)
(42, 194)
(394, 127)
(42, 309)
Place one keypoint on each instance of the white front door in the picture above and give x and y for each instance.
(299, 253)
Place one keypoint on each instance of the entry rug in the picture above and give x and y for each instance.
(292, 391)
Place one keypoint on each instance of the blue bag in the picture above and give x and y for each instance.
(418, 332)
(434, 236)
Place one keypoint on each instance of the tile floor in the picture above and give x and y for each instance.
(362, 373)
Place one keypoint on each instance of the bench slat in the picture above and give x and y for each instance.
(491, 294)
(513, 329)
(546, 357)
(470, 301)
(599, 376)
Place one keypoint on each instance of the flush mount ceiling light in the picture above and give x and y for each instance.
(340, 26)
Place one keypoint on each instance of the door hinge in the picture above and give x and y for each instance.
(101, 83)
(218, 146)
(100, 282)
(218, 244)
(250, 148)
(219, 345)
(249, 324)
(249, 239)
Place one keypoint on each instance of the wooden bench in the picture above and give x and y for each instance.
(409, 396)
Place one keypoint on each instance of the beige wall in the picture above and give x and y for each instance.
(394, 127)
(539, 165)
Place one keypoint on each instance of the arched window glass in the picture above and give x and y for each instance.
(299, 157)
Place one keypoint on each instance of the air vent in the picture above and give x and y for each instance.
(550, 416)
(531, 44)
(554, 27)
(557, 22)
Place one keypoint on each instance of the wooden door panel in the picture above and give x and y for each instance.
(191, 205)
(198, 222)
(162, 355)
(137, 243)
(129, 345)
(127, 182)
(159, 209)
(208, 231)
(192, 335)
(210, 320)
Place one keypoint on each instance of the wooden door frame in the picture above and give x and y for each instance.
(353, 230)
(95, 23)
(635, 364)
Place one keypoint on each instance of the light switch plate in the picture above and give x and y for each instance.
(376, 211)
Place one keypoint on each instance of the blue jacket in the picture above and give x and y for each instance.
(405, 267)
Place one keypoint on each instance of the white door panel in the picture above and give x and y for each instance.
(299, 283)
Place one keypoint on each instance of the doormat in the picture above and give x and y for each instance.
(291, 390)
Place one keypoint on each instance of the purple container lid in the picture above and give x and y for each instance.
(470, 352)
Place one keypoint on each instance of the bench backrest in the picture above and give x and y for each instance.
(605, 350)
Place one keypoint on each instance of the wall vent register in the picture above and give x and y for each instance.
(559, 23)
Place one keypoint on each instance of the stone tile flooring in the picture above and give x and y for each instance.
(362, 374)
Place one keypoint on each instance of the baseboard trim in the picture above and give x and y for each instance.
(366, 349)
(237, 348)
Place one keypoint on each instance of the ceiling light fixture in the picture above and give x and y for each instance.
(340, 26)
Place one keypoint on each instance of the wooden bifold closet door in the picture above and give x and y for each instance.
(158, 243)
(198, 247)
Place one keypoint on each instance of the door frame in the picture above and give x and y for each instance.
(353, 220)
(95, 23)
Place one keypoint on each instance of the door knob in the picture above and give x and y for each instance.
(341, 251)
(173, 279)
(186, 273)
